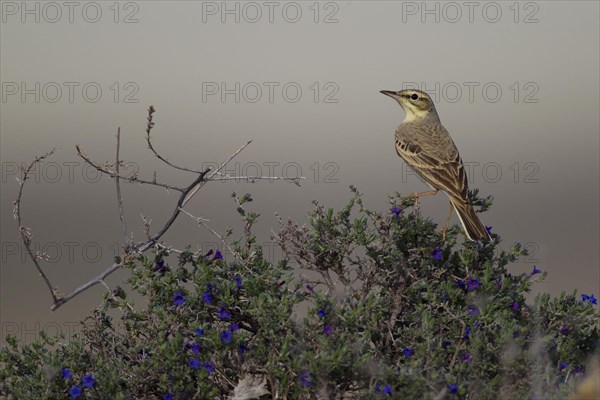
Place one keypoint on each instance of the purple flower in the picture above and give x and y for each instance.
(562, 365)
(473, 284)
(179, 299)
(233, 327)
(88, 380)
(167, 396)
(322, 313)
(535, 271)
(467, 333)
(159, 265)
(207, 297)
(210, 367)
(446, 344)
(437, 254)
(218, 255)
(195, 348)
(75, 391)
(199, 331)
(238, 281)
(473, 311)
(514, 306)
(385, 389)
(488, 230)
(466, 357)
(310, 288)
(194, 363)
(242, 348)
(590, 299)
(396, 211)
(461, 284)
(408, 352)
(66, 373)
(453, 388)
(223, 313)
(226, 336)
(327, 330)
(305, 380)
(209, 253)
(564, 330)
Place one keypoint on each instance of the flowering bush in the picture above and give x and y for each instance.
(363, 304)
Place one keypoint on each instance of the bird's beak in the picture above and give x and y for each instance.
(390, 93)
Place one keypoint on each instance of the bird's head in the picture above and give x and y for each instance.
(416, 103)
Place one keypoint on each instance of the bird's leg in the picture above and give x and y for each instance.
(445, 229)
(417, 195)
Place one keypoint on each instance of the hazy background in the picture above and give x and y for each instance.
(528, 127)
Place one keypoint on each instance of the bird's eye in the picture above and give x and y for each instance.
(414, 96)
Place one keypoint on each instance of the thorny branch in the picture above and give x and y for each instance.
(132, 251)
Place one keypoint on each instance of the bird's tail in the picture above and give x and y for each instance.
(471, 223)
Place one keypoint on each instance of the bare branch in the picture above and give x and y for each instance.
(152, 110)
(252, 179)
(118, 184)
(25, 232)
(113, 174)
(136, 250)
(238, 151)
(202, 221)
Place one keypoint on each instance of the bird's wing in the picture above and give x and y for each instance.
(430, 151)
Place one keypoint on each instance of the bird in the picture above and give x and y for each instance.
(426, 146)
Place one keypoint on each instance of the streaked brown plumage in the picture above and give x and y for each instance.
(428, 149)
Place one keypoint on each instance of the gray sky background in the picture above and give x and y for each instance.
(516, 86)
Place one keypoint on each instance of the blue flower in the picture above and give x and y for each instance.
(194, 363)
(564, 330)
(195, 348)
(488, 230)
(88, 380)
(453, 388)
(238, 281)
(396, 211)
(466, 357)
(226, 336)
(224, 313)
(218, 255)
(437, 254)
(167, 396)
(322, 313)
(327, 330)
(207, 297)
(233, 327)
(408, 352)
(199, 331)
(305, 380)
(242, 348)
(461, 284)
(66, 373)
(75, 391)
(473, 284)
(535, 271)
(473, 311)
(210, 367)
(590, 299)
(385, 389)
(159, 265)
(562, 365)
(467, 333)
(446, 344)
(179, 299)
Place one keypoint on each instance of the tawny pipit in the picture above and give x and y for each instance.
(428, 149)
